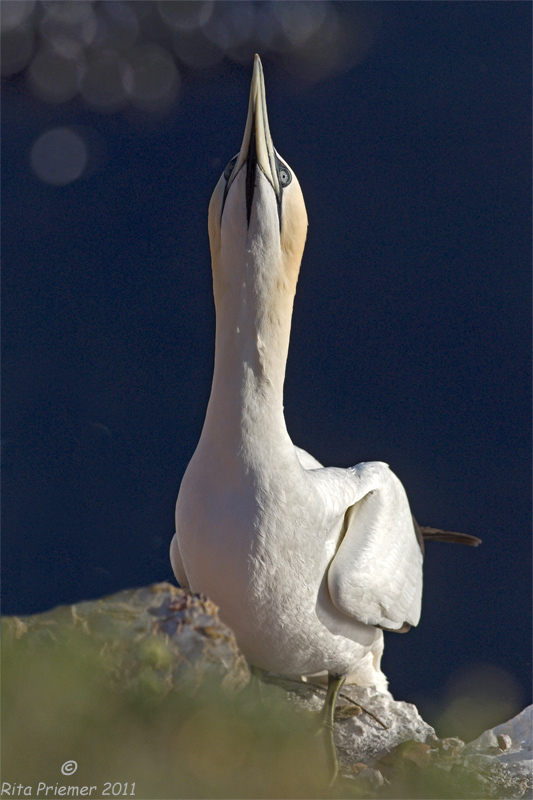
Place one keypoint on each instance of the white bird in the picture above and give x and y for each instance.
(307, 563)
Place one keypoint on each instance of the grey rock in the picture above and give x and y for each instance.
(448, 748)
(385, 746)
(504, 741)
(159, 636)
(497, 764)
(379, 725)
(504, 755)
(369, 780)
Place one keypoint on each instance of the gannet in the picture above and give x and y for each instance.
(308, 564)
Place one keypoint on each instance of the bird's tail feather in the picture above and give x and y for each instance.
(436, 535)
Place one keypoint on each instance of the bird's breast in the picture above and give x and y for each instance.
(241, 524)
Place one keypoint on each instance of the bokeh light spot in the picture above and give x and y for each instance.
(99, 47)
(194, 50)
(59, 156)
(55, 78)
(155, 78)
(107, 82)
(300, 20)
(16, 49)
(479, 697)
(13, 13)
(185, 15)
(231, 24)
(69, 26)
(118, 25)
(68, 12)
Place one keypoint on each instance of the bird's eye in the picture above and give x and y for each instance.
(229, 168)
(285, 176)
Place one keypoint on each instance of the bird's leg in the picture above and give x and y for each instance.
(353, 704)
(335, 683)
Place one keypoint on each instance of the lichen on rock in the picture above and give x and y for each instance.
(159, 636)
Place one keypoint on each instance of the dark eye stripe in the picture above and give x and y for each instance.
(229, 167)
(227, 174)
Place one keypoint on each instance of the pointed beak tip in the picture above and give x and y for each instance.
(257, 70)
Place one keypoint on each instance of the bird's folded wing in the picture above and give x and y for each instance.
(376, 573)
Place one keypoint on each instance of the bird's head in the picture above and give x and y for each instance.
(257, 216)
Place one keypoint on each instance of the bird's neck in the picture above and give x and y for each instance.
(253, 321)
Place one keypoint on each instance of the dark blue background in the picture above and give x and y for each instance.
(409, 331)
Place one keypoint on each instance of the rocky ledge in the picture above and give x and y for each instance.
(384, 744)
(161, 635)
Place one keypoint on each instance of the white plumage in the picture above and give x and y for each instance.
(304, 561)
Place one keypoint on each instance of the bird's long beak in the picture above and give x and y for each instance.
(257, 149)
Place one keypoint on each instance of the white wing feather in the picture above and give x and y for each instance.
(376, 573)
